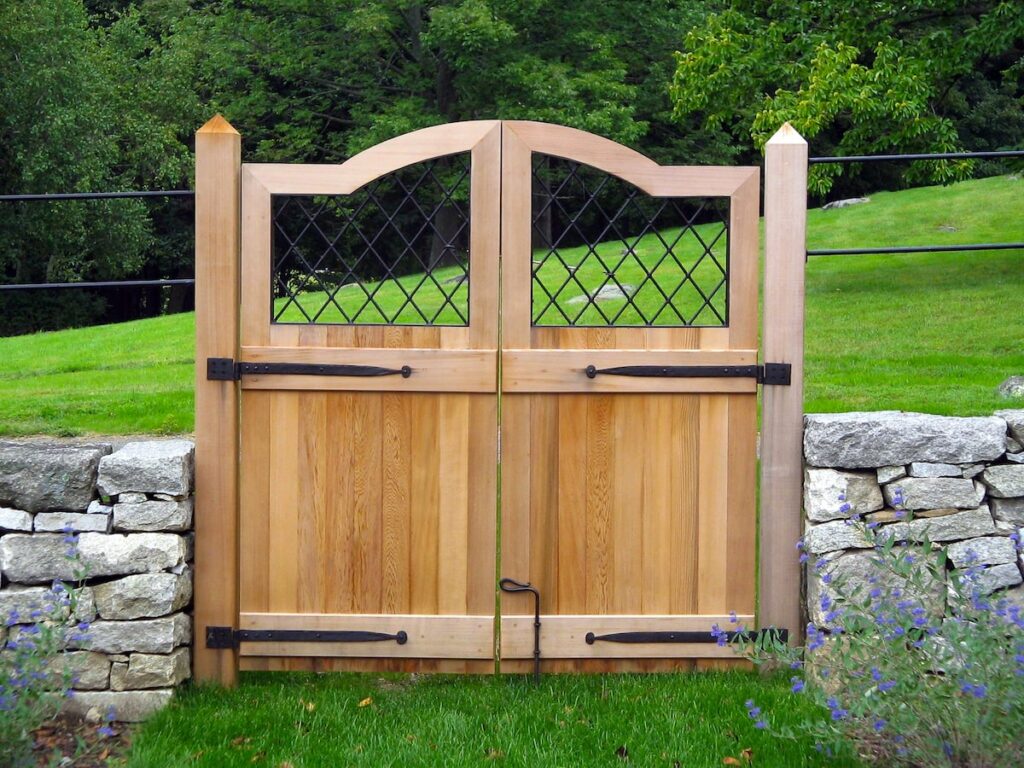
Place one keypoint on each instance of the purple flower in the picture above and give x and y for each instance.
(977, 691)
(798, 684)
(720, 635)
(878, 725)
(886, 685)
(106, 731)
(733, 618)
(845, 507)
(761, 725)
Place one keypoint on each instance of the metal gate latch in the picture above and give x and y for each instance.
(511, 585)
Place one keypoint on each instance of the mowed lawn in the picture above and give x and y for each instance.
(306, 721)
(932, 332)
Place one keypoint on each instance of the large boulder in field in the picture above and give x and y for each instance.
(886, 438)
(36, 477)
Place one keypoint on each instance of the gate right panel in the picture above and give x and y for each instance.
(628, 500)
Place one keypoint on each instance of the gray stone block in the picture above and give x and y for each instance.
(121, 554)
(42, 557)
(153, 516)
(826, 491)
(128, 706)
(888, 474)
(932, 493)
(929, 469)
(131, 498)
(839, 534)
(1014, 418)
(55, 522)
(156, 466)
(962, 525)
(15, 520)
(97, 507)
(146, 670)
(149, 636)
(38, 477)
(1004, 480)
(1009, 511)
(985, 550)
(989, 579)
(87, 671)
(886, 438)
(143, 596)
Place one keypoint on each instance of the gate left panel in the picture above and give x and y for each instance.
(368, 372)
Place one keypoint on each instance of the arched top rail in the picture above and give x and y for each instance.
(379, 160)
(628, 164)
(544, 138)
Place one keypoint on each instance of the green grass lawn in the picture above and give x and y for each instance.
(306, 720)
(925, 332)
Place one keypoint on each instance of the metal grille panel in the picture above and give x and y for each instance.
(395, 252)
(607, 254)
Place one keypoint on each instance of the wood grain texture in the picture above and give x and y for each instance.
(785, 213)
(564, 370)
(624, 496)
(375, 496)
(218, 162)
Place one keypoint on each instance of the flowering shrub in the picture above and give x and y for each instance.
(32, 677)
(896, 681)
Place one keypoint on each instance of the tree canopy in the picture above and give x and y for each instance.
(102, 95)
(859, 77)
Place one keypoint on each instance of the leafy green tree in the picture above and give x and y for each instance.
(857, 77)
(309, 80)
(82, 109)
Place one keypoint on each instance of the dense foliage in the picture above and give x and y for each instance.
(106, 94)
(860, 77)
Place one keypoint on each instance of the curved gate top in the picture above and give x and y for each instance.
(484, 350)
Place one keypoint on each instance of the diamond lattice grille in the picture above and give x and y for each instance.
(395, 252)
(607, 254)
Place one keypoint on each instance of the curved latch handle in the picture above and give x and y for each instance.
(511, 585)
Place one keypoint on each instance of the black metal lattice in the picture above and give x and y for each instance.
(395, 252)
(607, 254)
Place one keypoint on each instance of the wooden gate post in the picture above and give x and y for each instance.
(218, 171)
(785, 227)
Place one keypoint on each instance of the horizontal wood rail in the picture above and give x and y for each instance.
(565, 637)
(560, 370)
(427, 637)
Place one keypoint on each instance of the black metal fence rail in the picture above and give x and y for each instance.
(131, 193)
(849, 159)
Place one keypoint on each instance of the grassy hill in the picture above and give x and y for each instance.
(927, 332)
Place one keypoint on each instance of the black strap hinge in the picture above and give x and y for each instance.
(227, 637)
(222, 369)
(226, 369)
(775, 373)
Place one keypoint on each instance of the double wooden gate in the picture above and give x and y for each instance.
(480, 350)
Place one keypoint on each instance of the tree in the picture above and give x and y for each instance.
(78, 113)
(857, 77)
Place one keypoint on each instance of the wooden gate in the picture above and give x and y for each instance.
(482, 350)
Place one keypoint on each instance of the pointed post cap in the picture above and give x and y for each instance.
(217, 124)
(787, 134)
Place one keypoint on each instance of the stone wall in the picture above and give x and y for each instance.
(958, 481)
(127, 513)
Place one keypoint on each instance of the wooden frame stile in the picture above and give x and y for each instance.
(218, 160)
(785, 223)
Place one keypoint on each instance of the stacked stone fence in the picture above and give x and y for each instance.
(956, 482)
(127, 514)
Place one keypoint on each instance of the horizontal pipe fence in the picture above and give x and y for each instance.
(844, 160)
